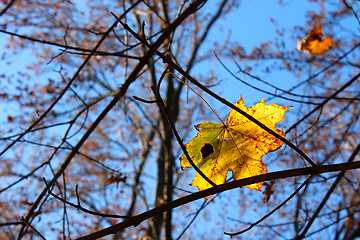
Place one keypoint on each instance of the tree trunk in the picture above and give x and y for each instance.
(166, 162)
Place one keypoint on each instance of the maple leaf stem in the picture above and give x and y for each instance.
(198, 96)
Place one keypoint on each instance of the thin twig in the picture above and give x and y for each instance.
(11, 223)
(258, 88)
(192, 220)
(144, 100)
(287, 91)
(10, 3)
(272, 211)
(36, 231)
(338, 60)
(78, 205)
(352, 80)
(352, 10)
(330, 191)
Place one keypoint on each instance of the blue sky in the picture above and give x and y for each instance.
(250, 25)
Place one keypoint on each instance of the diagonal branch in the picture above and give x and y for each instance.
(10, 3)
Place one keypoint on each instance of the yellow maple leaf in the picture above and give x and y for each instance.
(237, 146)
(314, 44)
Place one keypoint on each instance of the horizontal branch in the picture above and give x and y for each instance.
(77, 50)
(136, 220)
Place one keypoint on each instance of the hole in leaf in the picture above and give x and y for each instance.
(206, 150)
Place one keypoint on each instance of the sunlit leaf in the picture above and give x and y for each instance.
(314, 44)
(237, 146)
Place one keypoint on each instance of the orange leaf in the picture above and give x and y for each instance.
(314, 44)
(237, 146)
(57, 5)
(116, 179)
(10, 119)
